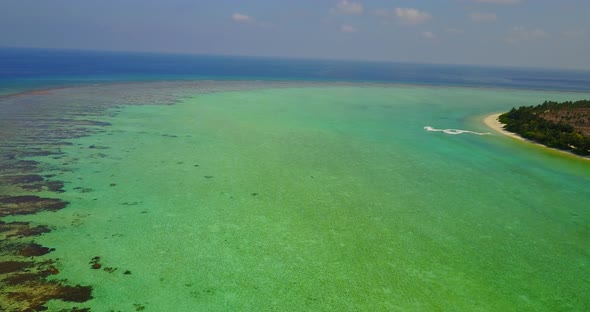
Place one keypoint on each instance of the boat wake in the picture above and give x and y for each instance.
(454, 131)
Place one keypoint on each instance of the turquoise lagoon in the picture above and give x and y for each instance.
(323, 198)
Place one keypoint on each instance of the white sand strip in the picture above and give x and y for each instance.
(493, 122)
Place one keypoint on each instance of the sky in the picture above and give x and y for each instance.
(524, 33)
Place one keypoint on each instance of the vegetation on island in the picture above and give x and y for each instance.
(564, 126)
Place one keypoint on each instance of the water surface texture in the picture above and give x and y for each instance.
(22, 69)
(130, 183)
(323, 198)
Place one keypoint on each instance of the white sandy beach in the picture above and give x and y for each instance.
(493, 122)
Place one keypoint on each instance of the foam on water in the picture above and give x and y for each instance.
(454, 131)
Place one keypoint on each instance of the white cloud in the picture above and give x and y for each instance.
(348, 29)
(409, 16)
(428, 35)
(242, 18)
(346, 7)
(499, 1)
(483, 17)
(520, 34)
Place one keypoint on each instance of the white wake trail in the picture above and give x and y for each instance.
(454, 131)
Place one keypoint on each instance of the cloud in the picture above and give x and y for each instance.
(482, 17)
(409, 16)
(428, 35)
(242, 18)
(350, 8)
(348, 29)
(520, 34)
(499, 1)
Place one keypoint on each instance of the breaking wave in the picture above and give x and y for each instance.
(454, 131)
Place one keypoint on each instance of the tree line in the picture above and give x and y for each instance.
(557, 125)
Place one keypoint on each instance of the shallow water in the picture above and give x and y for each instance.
(321, 198)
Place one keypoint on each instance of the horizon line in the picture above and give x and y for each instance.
(381, 61)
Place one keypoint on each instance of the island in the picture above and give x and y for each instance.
(564, 126)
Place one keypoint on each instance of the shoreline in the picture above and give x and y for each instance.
(492, 122)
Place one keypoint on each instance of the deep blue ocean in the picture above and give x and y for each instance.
(24, 69)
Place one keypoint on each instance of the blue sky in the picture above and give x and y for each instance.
(539, 33)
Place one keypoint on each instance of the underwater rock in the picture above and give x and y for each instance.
(21, 229)
(13, 266)
(28, 204)
(22, 278)
(76, 309)
(52, 186)
(39, 153)
(23, 284)
(83, 189)
(19, 166)
(34, 250)
(36, 295)
(20, 179)
(95, 263)
(55, 186)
